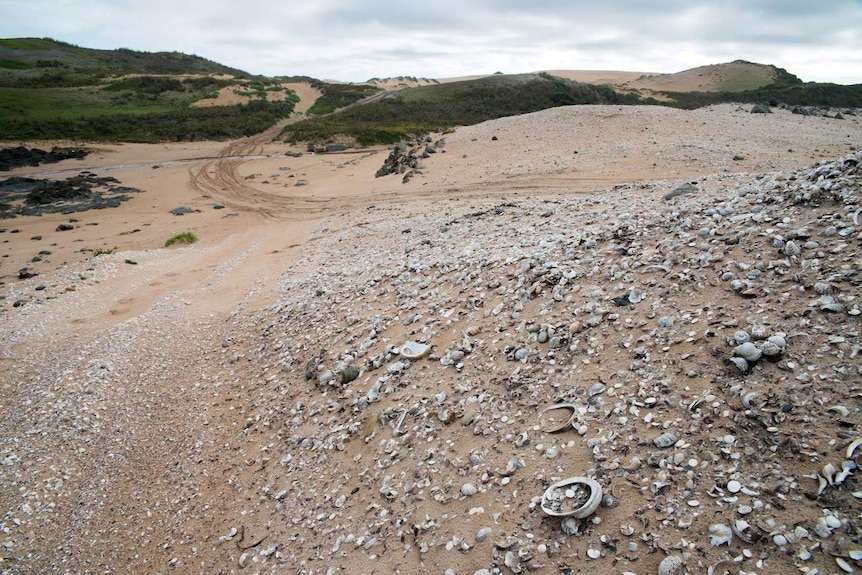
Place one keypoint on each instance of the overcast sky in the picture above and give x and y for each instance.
(354, 40)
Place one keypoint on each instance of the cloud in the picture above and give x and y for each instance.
(349, 40)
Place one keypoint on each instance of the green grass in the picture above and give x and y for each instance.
(183, 238)
(27, 43)
(14, 64)
(335, 96)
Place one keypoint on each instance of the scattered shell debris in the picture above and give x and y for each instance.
(713, 412)
(708, 421)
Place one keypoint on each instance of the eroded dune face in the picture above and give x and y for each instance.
(354, 372)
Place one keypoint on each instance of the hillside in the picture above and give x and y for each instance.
(52, 90)
(45, 62)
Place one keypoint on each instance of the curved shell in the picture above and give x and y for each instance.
(559, 417)
(576, 497)
(414, 350)
(854, 445)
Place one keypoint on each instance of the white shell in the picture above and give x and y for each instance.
(747, 351)
(845, 566)
(594, 498)
(665, 440)
(851, 449)
(414, 350)
(468, 489)
(671, 565)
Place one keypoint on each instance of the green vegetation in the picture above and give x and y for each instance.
(795, 94)
(183, 238)
(436, 107)
(14, 64)
(335, 96)
(150, 125)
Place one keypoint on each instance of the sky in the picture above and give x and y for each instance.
(355, 40)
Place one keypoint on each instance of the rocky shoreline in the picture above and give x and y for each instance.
(20, 196)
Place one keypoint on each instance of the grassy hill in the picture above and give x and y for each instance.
(53, 90)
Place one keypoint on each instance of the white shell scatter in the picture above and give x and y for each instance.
(734, 486)
(414, 350)
(586, 495)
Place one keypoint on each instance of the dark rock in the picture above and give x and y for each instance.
(335, 148)
(761, 109)
(40, 287)
(218, 207)
(21, 156)
(28, 196)
(293, 154)
(35, 259)
(25, 273)
(132, 262)
(622, 301)
(65, 227)
(182, 210)
(37, 238)
(349, 373)
(18, 303)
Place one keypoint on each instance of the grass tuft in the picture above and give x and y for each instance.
(183, 238)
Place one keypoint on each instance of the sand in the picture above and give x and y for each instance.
(178, 303)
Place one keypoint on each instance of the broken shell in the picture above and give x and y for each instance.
(848, 466)
(414, 350)
(750, 400)
(586, 497)
(671, 565)
(740, 363)
(665, 440)
(720, 534)
(556, 418)
(851, 449)
(839, 410)
(829, 472)
(627, 530)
